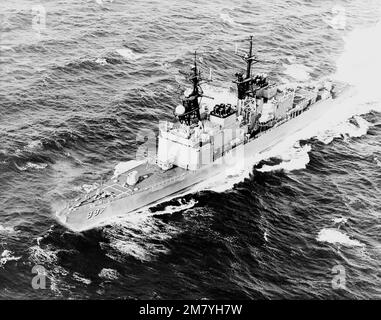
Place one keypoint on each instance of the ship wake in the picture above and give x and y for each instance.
(140, 235)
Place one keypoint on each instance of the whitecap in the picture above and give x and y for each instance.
(340, 220)
(139, 238)
(31, 165)
(43, 256)
(294, 159)
(227, 19)
(47, 259)
(36, 166)
(35, 144)
(354, 127)
(6, 256)
(109, 274)
(177, 208)
(337, 237)
(78, 277)
(265, 236)
(140, 235)
(6, 229)
(101, 61)
(6, 48)
(128, 54)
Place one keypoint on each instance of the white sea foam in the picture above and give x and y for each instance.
(344, 129)
(78, 277)
(340, 220)
(109, 274)
(337, 237)
(139, 235)
(6, 256)
(177, 208)
(47, 257)
(226, 18)
(378, 162)
(6, 48)
(220, 182)
(138, 238)
(295, 159)
(35, 144)
(265, 236)
(31, 165)
(42, 255)
(128, 54)
(101, 61)
(8, 230)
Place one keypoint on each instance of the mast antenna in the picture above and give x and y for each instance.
(249, 59)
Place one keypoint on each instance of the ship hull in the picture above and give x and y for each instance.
(90, 216)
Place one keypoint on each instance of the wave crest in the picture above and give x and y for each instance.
(337, 237)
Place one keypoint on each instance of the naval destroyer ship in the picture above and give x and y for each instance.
(203, 141)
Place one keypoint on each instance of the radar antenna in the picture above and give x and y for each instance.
(245, 84)
(191, 102)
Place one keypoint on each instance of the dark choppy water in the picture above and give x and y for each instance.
(74, 95)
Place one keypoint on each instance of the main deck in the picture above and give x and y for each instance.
(150, 177)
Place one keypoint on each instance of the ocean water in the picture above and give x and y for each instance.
(81, 79)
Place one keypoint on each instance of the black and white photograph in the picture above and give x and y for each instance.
(200, 151)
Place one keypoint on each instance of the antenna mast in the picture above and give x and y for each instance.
(190, 112)
(249, 59)
(245, 82)
(191, 102)
(196, 78)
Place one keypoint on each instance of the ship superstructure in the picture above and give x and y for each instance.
(189, 149)
(202, 136)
